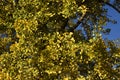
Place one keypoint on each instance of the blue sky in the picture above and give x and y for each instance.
(115, 28)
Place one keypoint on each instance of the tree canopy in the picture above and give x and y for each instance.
(57, 40)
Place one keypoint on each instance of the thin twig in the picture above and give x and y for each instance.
(113, 6)
(78, 22)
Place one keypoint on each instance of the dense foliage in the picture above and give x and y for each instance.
(56, 40)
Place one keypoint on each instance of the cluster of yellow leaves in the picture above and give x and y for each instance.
(57, 59)
(49, 55)
(23, 27)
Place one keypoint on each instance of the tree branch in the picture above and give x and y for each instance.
(78, 23)
(107, 3)
(83, 15)
(64, 25)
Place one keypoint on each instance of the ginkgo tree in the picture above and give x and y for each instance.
(56, 40)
